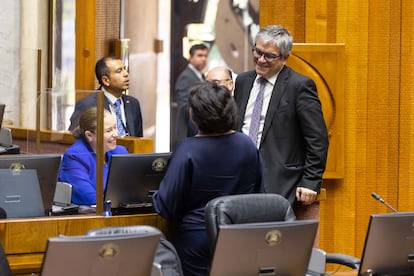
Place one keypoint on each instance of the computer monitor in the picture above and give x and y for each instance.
(46, 167)
(269, 248)
(131, 254)
(20, 194)
(133, 178)
(389, 245)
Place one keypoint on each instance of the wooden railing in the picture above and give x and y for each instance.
(25, 240)
(59, 141)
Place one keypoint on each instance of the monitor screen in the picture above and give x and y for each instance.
(133, 178)
(389, 245)
(100, 255)
(46, 167)
(269, 248)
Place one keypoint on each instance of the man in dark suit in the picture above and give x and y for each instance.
(114, 80)
(191, 75)
(290, 131)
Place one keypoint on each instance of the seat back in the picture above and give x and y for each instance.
(245, 208)
(166, 260)
(63, 194)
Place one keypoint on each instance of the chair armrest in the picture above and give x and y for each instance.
(343, 259)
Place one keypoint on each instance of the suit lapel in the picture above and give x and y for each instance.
(128, 115)
(107, 103)
(246, 89)
(278, 90)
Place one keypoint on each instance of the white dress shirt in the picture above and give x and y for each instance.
(250, 105)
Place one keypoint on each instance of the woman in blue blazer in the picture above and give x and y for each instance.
(78, 165)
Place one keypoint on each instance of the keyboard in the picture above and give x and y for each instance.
(133, 208)
(136, 205)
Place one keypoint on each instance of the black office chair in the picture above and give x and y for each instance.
(256, 208)
(245, 208)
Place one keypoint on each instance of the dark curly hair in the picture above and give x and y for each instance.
(101, 69)
(213, 108)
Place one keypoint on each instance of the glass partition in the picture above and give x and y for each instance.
(44, 132)
(19, 82)
(47, 129)
(36, 119)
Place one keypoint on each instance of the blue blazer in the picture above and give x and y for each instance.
(132, 113)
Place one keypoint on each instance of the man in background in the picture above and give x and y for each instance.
(221, 75)
(192, 74)
(113, 78)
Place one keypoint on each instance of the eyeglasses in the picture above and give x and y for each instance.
(219, 82)
(267, 56)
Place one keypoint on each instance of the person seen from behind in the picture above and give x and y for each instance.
(217, 161)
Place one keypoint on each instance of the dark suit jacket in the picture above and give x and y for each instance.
(183, 126)
(185, 80)
(294, 141)
(4, 263)
(132, 113)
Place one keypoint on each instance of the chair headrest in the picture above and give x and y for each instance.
(245, 208)
(250, 208)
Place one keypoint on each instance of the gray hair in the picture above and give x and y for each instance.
(277, 35)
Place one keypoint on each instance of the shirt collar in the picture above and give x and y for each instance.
(198, 73)
(272, 79)
(110, 96)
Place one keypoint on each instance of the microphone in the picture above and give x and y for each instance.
(377, 197)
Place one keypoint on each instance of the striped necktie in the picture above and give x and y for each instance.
(119, 123)
(257, 111)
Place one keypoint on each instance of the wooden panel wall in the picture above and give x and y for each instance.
(97, 27)
(85, 44)
(406, 111)
(379, 69)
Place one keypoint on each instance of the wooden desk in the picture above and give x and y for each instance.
(24, 240)
(59, 141)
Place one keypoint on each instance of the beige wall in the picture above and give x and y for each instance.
(140, 26)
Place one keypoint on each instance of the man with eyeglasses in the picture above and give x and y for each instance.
(221, 75)
(280, 110)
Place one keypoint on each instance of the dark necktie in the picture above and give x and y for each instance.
(257, 111)
(119, 124)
